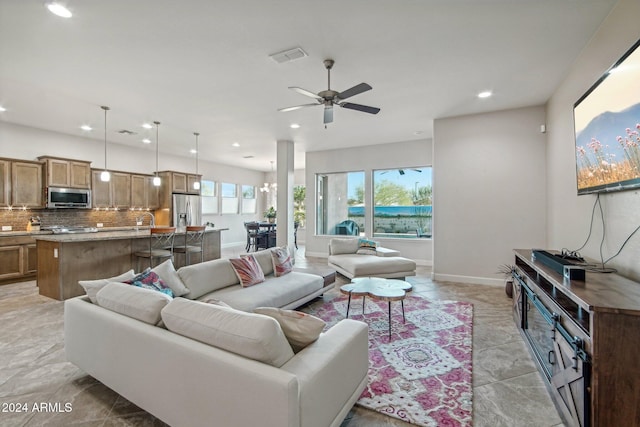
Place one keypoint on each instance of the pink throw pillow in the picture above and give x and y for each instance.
(281, 261)
(248, 271)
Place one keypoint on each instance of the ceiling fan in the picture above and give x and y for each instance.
(401, 171)
(329, 97)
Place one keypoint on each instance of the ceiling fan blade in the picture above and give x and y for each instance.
(297, 107)
(359, 107)
(328, 114)
(362, 87)
(305, 92)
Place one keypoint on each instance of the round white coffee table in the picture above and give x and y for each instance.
(377, 288)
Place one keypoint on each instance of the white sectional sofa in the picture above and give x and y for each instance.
(180, 361)
(347, 258)
(217, 279)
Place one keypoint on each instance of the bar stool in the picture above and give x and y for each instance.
(193, 243)
(160, 245)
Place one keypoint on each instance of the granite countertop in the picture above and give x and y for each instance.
(107, 233)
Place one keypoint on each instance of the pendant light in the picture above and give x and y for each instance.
(196, 183)
(156, 179)
(105, 176)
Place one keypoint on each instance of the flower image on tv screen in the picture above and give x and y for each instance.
(607, 129)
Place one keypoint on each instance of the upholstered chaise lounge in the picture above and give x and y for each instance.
(348, 258)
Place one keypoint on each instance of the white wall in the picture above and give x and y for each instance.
(366, 158)
(489, 192)
(28, 143)
(568, 214)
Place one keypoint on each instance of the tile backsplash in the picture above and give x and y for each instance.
(18, 218)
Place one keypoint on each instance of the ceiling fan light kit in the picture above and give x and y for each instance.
(330, 97)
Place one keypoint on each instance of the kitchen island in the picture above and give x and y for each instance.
(64, 259)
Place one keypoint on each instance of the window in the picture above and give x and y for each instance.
(229, 194)
(299, 210)
(402, 202)
(209, 197)
(248, 199)
(340, 203)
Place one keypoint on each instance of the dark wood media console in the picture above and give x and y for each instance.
(584, 335)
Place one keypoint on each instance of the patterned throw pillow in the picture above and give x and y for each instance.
(281, 261)
(248, 271)
(150, 280)
(367, 247)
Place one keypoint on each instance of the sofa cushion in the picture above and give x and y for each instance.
(281, 261)
(91, 287)
(343, 246)
(273, 292)
(370, 265)
(167, 272)
(301, 329)
(139, 303)
(264, 259)
(250, 335)
(150, 280)
(248, 271)
(207, 276)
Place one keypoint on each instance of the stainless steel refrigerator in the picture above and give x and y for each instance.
(187, 210)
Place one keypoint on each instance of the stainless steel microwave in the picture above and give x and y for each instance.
(68, 198)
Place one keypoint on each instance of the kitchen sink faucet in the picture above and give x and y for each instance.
(141, 217)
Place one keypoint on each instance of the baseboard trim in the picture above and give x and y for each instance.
(466, 279)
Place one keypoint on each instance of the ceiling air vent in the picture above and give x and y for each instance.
(126, 132)
(247, 157)
(288, 55)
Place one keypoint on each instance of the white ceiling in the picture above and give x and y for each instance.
(203, 65)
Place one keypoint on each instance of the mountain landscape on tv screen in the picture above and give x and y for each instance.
(608, 149)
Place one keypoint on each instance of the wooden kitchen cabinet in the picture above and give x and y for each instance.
(144, 195)
(5, 183)
(18, 258)
(26, 184)
(120, 190)
(100, 190)
(139, 191)
(175, 182)
(67, 172)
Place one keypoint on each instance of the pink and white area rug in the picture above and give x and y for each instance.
(422, 374)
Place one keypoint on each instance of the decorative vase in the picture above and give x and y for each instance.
(508, 288)
(271, 220)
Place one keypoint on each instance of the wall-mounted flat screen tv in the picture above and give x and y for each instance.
(607, 129)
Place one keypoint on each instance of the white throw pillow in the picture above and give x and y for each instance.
(343, 246)
(91, 287)
(301, 329)
(139, 303)
(167, 272)
(250, 335)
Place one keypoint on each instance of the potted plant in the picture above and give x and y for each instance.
(508, 271)
(270, 214)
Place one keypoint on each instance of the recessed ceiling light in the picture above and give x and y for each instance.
(2, 109)
(147, 126)
(235, 144)
(86, 127)
(418, 132)
(485, 94)
(146, 141)
(59, 9)
(294, 126)
(193, 151)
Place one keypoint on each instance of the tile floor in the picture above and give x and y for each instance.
(508, 390)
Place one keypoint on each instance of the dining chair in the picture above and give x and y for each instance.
(193, 243)
(160, 245)
(254, 236)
